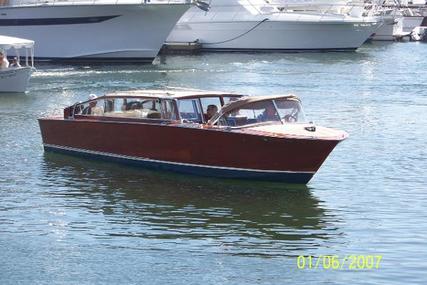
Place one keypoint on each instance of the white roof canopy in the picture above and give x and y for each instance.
(11, 42)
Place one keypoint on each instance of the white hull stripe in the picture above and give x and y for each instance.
(172, 163)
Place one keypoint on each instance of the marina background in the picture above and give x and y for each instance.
(69, 220)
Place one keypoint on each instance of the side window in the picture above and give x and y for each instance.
(210, 107)
(109, 106)
(169, 110)
(189, 110)
(151, 104)
(92, 108)
(137, 108)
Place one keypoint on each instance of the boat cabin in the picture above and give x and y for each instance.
(190, 107)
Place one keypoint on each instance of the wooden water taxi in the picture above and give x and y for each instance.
(213, 134)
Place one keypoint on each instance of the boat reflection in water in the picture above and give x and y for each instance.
(205, 133)
(134, 208)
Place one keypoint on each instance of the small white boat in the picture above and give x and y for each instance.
(15, 79)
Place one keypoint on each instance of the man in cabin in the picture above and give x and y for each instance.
(211, 111)
(4, 63)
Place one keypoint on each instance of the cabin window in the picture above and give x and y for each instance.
(252, 113)
(169, 110)
(290, 111)
(92, 108)
(138, 108)
(210, 107)
(189, 110)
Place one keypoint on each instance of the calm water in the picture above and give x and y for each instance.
(65, 220)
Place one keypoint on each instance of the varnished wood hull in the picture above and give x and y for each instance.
(201, 151)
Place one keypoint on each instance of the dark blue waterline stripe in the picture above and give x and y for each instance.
(95, 60)
(277, 50)
(287, 177)
(55, 21)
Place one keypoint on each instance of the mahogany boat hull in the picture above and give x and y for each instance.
(200, 151)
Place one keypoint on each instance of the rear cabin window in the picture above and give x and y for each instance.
(138, 108)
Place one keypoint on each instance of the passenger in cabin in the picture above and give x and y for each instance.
(14, 63)
(4, 63)
(211, 111)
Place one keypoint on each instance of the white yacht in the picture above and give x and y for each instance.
(95, 30)
(400, 17)
(15, 76)
(261, 25)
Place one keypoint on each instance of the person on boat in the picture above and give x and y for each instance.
(4, 63)
(211, 111)
(269, 114)
(14, 63)
(92, 109)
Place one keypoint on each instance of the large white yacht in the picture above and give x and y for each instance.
(82, 30)
(262, 25)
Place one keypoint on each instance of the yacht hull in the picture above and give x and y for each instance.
(386, 31)
(273, 35)
(201, 151)
(78, 32)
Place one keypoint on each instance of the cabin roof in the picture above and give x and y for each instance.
(10, 42)
(170, 94)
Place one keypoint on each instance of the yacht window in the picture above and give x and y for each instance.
(189, 110)
(290, 110)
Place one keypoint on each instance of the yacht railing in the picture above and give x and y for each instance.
(18, 3)
(271, 8)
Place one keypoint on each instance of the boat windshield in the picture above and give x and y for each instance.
(277, 111)
(290, 110)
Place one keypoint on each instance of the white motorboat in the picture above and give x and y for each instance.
(401, 17)
(95, 30)
(15, 79)
(260, 25)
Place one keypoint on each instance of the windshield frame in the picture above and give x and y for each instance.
(227, 109)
